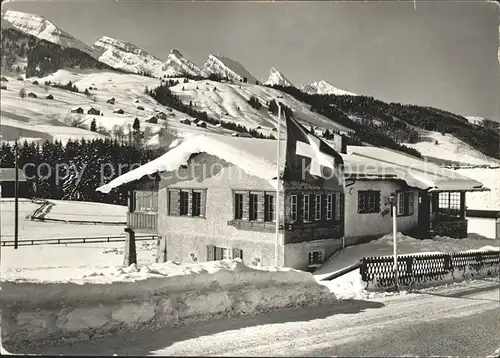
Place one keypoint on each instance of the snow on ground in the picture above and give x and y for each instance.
(34, 230)
(60, 263)
(489, 200)
(449, 148)
(83, 211)
(351, 286)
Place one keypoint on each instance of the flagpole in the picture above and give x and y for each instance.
(277, 205)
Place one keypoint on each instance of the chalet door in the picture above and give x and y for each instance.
(424, 212)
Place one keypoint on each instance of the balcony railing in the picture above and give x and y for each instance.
(143, 221)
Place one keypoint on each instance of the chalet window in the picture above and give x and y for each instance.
(368, 202)
(316, 257)
(238, 206)
(293, 208)
(196, 202)
(305, 208)
(186, 202)
(449, 204)
(254, 207)
(216, 253)
(269, 207)
(317, 208)
(184, 210)
(404, 205)
(329, 206)
(146, 201)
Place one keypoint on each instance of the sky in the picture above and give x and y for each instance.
(442, 54)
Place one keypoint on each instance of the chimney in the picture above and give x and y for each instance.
(340, 143)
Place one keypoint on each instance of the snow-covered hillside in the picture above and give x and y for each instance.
(40, 118)
(226, 67)
(323, 87)
(126, 56)
(177, 65)
(229, 102)
(42, 28)
(449, 150)
(276, 78)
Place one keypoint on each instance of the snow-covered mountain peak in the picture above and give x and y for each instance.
(126, 56)
(226, 67)
(276, 78)
(178, 65)
(42, 28)
(323, 87)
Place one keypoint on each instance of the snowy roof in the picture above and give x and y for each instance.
(374, 162)
(254, 156)
(258, 157)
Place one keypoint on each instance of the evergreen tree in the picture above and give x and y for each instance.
(137, 125)
(93, 125)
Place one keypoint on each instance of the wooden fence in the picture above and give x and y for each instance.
(76, 240)
(378, 272)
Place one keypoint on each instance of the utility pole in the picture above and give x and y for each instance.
(393, 200)
(277, 204)
(16, 194)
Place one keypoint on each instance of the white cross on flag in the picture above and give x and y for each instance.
(306, 152)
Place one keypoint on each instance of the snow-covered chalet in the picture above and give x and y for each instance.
(214, 197)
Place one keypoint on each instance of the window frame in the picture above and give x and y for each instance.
(366, 195)
(293, 208)
(306, 205)
(317, 207)
(329, 206)
(313, 263)
(152, 207)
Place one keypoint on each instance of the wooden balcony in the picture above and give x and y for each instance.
(143, 221)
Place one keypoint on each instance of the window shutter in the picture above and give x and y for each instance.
(260, 206)
(338, 207)
(203, 203)
(246, 205)
(174, 201)
(210, 252)
(300, 210)
(237, 253)
(411, 198)
(361, 203)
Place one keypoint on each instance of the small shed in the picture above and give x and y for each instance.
(78, 110)
(94, 111)
(111, 101)
(49, 96)
(186, 121)
(152, 119)
(119, 111)
(196, 121)
(4, 79)
(242, 135)
(35, 82)
(3, 86)
(7, 182)
(32, 95)
(140, 108)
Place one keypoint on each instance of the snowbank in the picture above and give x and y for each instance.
(351, 286)
(106, 302)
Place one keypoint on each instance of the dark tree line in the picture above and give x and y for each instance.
(362, 131)
(74, 171)
(163, 95)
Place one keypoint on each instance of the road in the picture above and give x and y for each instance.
(460, 320)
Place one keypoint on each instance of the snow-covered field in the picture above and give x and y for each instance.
(351, 286)
(34, 230)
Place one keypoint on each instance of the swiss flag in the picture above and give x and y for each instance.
(308, 158)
